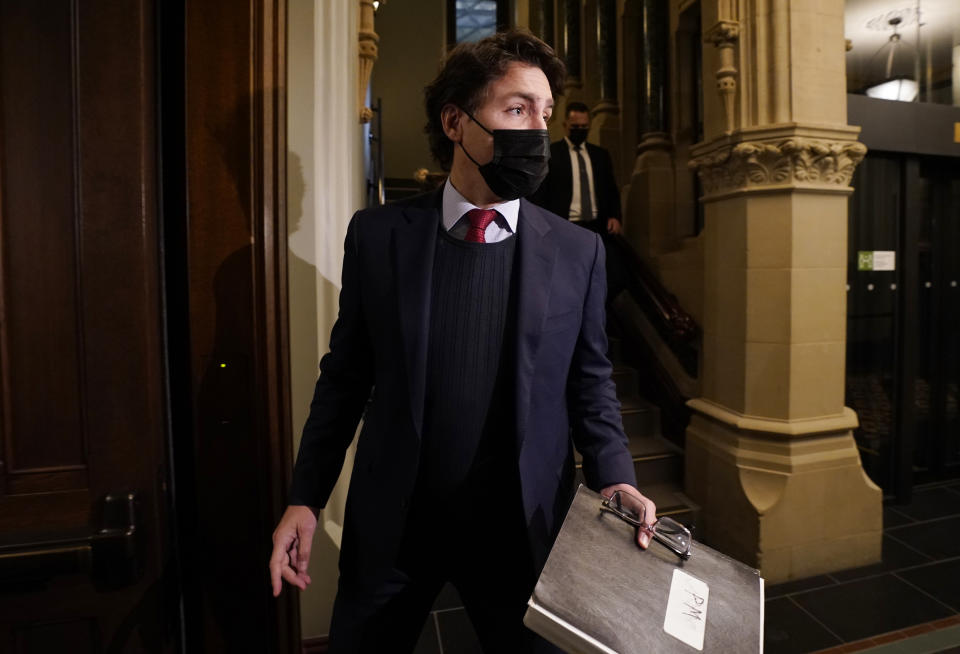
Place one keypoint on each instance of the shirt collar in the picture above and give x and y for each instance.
(455, 205)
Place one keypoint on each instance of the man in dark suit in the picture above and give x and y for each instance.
(580, 186)
(472, 357)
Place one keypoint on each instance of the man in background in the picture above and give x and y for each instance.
(580, 185)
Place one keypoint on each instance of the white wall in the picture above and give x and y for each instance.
(325, 186)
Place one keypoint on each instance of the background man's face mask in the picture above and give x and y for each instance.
(520, 161)
(578, 135)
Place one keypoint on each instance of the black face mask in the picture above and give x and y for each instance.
(520, 161)
(578, 135)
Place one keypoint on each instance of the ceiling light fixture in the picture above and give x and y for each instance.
(901, 88)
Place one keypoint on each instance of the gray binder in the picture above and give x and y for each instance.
(600, 593)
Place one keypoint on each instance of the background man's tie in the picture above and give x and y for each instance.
(479, 219)
(586, 204)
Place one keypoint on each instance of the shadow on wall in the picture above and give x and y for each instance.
(311, 295)
(229, 445)
(232, 520)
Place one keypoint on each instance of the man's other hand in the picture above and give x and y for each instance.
(647, 505)
(292, 540)
(614, 226)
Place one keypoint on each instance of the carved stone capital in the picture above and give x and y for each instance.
(724, 32)
(798, 162)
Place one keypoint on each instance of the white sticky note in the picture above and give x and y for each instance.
(686, 617)
(884, 260)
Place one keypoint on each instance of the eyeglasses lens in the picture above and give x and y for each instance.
(629, 506)
(674, 533)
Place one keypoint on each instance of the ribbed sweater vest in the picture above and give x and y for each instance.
(468, 430)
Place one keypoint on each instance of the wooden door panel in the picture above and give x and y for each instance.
(44, 449)
(81, 356)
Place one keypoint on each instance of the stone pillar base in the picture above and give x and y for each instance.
(788, 497)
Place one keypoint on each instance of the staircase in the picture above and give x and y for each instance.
(657, 462)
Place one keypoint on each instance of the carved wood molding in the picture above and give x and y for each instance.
(798, 162)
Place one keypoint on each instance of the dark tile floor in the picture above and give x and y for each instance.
(918, 581)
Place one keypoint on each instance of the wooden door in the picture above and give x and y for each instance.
(83, 539)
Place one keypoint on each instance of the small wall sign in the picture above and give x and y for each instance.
(876, 260)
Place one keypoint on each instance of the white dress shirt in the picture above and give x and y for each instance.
(575, 198)
(455, 207)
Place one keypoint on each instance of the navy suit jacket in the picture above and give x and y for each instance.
(556, 191)
(378, 350)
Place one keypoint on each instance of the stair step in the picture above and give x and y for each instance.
(640, 418)
(614, 349)
(626, 381)
(671, 501)
(644, 447)
(655, 460)
(652, 446)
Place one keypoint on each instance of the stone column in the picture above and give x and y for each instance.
(568, 47)
(607, 55)
(541, 20)
(605, 115)
(770, 454)
(652, 69)
(571, 44)
(650, 198)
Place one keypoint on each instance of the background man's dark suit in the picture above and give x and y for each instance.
(557, 189)
(380, 340)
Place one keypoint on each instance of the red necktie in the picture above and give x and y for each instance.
(479, 219)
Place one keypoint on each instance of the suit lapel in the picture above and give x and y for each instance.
(537, 255)
(414, 243)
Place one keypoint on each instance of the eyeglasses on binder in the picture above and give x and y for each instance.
(666, 531)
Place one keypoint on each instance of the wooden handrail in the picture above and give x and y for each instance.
(677, 327)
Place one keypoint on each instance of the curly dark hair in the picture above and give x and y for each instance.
(468, 70)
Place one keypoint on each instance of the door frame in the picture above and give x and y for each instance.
(220, 58)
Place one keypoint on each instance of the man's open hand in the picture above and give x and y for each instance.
(292, 540)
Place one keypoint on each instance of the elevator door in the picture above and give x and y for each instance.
(903, 319)
(873, 319)
(937, 448)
